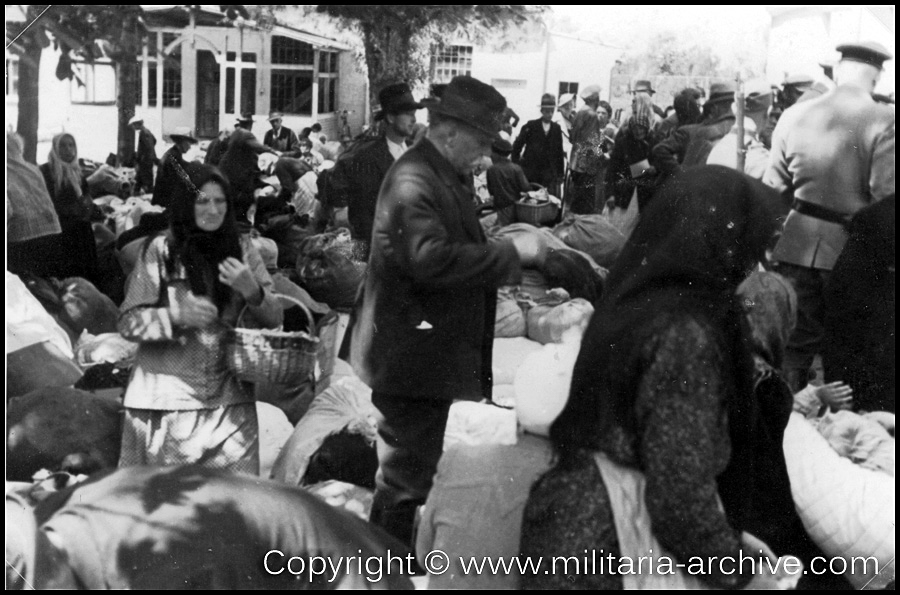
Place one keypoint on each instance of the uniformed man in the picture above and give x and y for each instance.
(831, 156)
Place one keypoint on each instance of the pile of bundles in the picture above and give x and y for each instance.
(560, 281)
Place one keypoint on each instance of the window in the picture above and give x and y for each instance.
(327, 81)
(171, 91)
(327, 95)
(291, 51)
(292, 91)
(449, 62)
(568, 88)
(248, 90)
(93, 83)
(151, 83)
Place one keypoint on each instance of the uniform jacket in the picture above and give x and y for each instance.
(836, 152)
(241, 161)
(543, 158)
(356, 180)
(284, 141)
(425, 318)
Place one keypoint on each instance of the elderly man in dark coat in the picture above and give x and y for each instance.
(424, 333)
(543, 159)
(831, 156)
(690, 145)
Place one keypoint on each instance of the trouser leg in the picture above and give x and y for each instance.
(410, 442)
(808, 336)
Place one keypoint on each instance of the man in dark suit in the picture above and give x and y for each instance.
(356, 178)
(145, 158)
(543, 159)
(424, 335)
(831, 156)
(171, 167)
(280, 138)
(690, 145)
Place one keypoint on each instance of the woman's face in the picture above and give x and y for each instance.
(67, 150)
(210, 207)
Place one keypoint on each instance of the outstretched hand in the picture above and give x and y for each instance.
(836, 395)
(194, 311)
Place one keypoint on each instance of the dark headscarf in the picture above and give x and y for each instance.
(694, 244)
(201, 251)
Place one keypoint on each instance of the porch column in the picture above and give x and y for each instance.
(315, 87)
(160, 66)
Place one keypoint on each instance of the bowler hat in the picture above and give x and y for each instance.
(245, 117)
(473, 103)
(183, 133)
(548, 100)
(721, 92)
(275, 116)
(867, 52)
(644, 86)
(397, 98)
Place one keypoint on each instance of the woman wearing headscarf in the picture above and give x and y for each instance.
(183, 404)
(658, 429)
(629, 167)
(74, 252)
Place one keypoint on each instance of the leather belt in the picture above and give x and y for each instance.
(820, 212)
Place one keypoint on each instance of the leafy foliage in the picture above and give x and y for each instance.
(397, 39)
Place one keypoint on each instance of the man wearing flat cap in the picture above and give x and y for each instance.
(690, 145)
(831, 156)
(423, 334)
(145, 158)
(757, 101)
(543, 159)
(356, 179)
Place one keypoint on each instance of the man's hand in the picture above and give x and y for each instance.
(194, 311)
(237, 275)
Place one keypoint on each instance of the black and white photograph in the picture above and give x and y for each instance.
(450, 297)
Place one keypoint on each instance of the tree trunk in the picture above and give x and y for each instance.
(126, 75)
(29, 85)
(389, 57)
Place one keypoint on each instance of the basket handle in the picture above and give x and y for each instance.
(293, 300)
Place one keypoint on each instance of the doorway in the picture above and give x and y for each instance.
(207, 95)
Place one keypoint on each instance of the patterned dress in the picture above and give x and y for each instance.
(681, 444)
(183, 404)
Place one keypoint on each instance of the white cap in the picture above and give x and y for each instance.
(590, 91)
(565, 98)
(135, 119)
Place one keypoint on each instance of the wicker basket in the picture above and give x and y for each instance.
(536, 214)
(275, 357)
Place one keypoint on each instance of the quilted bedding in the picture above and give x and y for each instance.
(846, 509)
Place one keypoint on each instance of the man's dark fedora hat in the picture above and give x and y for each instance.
(645, 86)
(472, 102)
(397, 98)
(723, 91)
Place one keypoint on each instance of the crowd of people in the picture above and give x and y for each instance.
(746, 259)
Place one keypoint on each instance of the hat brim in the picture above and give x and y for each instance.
(268, 119)
(650, 91)
(441, 110)
(403, 107)
(179, 137)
